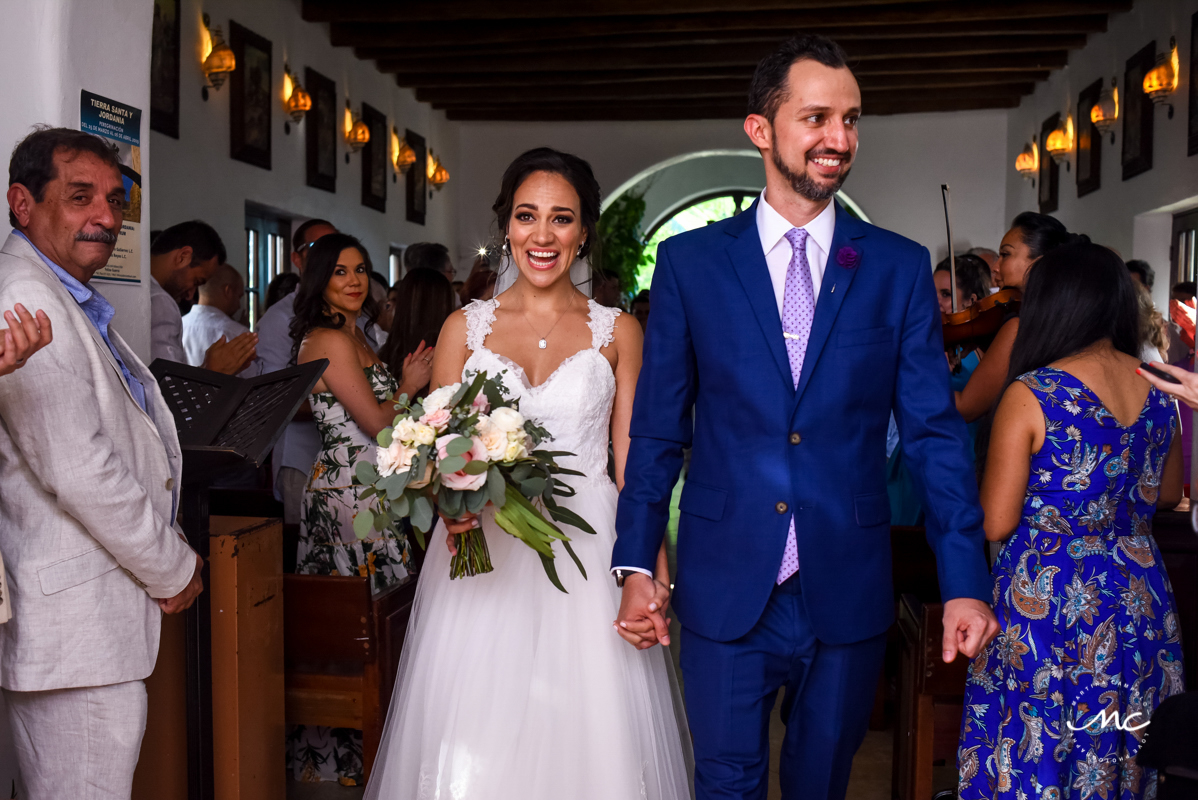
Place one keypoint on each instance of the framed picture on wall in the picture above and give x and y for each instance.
(164, 68)
(1089, 142)
(1050, 174)
(1192, 148)
(250, 95)
(321, 131)
(417, 179)
(1137, 113)
(374, 159)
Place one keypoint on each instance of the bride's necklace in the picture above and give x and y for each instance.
(543, 341)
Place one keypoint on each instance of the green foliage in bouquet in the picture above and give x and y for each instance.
(435, 455)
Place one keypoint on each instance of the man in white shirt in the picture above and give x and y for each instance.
(211, 318)
(182, 258)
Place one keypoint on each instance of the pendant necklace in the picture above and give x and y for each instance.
(543, 342)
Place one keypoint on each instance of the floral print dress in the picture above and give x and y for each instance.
(1057, 705)
(329, 546)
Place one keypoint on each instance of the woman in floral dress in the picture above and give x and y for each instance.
(1081, 456)
(351, 403)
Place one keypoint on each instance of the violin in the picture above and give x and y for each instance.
(976, 326)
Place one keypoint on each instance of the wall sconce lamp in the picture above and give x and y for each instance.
(295, 99)
(1105, 113)
(1060, 142)
(438, 176)
(219, 60)
(1027, 163)
(1161, 80)
(357, 134)
(402, 154)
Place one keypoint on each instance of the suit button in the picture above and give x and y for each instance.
(170, 484)
(782, 508)
(795, 438)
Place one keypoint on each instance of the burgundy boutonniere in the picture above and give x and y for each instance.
(847, 257)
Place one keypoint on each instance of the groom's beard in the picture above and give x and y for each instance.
(804, 184)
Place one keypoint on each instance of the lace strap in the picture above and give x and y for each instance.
(480, 315)
(602, 322)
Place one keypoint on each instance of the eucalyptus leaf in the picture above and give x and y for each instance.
(458, 446)
(451, 502)
(452, 464)
(422, 514)
(365, 472)
(532, 487)
(393, 484)
(574, 556)
(563, 514)
(363, 523)
(402, 507)
(475, 467)
(384, 437)
(496, 487)
(476, 501)
(551, 571)
(521, 473)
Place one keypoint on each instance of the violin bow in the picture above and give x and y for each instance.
(952, 259)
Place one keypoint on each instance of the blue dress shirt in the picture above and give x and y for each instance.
(99, 311)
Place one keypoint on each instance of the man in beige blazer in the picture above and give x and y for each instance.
(89, 485)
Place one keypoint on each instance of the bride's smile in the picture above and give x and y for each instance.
(545, 232)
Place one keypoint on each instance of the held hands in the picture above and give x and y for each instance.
(183, 600)
(969, 625)
(24, 337)
(642, 621)
(232, 357)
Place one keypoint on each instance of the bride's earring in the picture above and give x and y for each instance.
(507, 246)
(580, 248)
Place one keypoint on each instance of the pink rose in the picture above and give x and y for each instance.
(438, 419)
(462, 480)
(481, 404)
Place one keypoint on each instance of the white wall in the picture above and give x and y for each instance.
(900, 165)
(197, 179)
(1133, 216)
(52, 49)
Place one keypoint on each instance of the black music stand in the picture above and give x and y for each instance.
(224, 422)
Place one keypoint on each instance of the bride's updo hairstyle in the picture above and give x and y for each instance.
(572, 168)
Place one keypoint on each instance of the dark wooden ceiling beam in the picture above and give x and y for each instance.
(766, 40)
(677, 89)
(746, 54)
(914, 10)
(374, 40)
(693, 110)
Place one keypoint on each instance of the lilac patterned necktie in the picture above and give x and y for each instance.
(798, 311)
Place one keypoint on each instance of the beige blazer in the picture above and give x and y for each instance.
(88, 487)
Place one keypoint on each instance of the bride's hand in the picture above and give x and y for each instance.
(455, 527)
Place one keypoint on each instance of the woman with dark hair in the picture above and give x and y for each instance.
(424, 300)
(509, 689)
(479, 286)
(280, 286)
(973, 282)
(1081, 455)
(351, 403)
(1030, 238)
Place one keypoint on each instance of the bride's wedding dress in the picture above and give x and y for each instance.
(509, 689)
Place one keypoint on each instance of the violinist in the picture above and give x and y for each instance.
(973, 283)
(1031, 236)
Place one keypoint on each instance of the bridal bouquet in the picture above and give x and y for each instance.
(461, 447)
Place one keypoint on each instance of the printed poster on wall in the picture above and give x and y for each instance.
(121, 125)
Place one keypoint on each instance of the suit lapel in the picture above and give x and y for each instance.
(748, 261)
(834, 288)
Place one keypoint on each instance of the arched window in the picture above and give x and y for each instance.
(697, 212)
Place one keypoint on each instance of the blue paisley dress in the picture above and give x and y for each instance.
(1089, 625)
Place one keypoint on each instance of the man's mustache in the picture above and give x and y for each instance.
(104, 236)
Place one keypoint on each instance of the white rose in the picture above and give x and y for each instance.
(396, 458)
(440, 398)
(492, 438)
(508, 419)
(413, 432)
(517, 446)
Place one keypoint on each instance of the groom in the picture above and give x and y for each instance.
(780, 341)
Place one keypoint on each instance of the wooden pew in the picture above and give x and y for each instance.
(341, 648)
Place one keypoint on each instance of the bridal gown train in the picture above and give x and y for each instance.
(509, 689)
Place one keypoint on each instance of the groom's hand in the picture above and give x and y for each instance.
(969, 625)
(641, 622)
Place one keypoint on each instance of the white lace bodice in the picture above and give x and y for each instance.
(574, 403)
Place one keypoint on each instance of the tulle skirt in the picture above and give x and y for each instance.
(510, 690)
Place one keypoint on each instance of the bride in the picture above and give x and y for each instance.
(507, 688)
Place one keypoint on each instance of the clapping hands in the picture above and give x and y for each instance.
(642, 620)
(24, 337)
(231, 357)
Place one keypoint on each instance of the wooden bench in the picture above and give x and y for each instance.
(931, 699)
(341, 649)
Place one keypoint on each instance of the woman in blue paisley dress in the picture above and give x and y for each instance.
(1081, 455)
(351, 403)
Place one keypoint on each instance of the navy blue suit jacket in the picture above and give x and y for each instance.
(716, 378)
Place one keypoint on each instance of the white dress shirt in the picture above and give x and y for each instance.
(166, 326)
(772, 227)
(203, 326)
